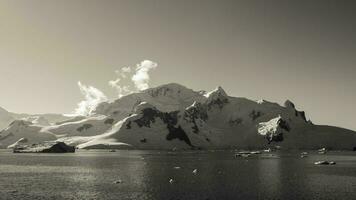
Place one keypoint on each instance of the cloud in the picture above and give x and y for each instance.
(123, 72)
(122, 90)
(115, 83)
(92, 97)
(126, 69)
(129, 80)
(141, 78)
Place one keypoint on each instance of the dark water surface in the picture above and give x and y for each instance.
(146, 175)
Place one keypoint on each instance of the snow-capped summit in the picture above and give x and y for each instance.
(168, 97)
(217, 97)
(172, 89)
(219, 91)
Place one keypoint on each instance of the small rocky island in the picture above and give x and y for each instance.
(46, 147)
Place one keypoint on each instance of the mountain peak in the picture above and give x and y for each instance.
(219, 91)
(217, 97)
(289, 104)
(169, 86)
(172, 90)
(172, 85)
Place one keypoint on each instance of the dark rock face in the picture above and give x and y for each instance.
(284, 125)
(109, 121)
(195, 112)
(149, 116)
(160, 91)
(60, 147)
(219, 102)
(50, 147)
(289, 104)
(178, 133)
(128, 125)
(301, 114)
(84, 127)
(234, 122)
(275, 138)
(255, 114)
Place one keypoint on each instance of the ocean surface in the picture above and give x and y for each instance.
(169, 175)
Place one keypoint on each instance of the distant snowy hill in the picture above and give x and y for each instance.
(172, 116)
(5, 118)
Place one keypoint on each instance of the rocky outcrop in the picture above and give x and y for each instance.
(149, 116)
(47, 147)
(301, 114)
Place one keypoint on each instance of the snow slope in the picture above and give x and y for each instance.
(40, 119)
(25, 131)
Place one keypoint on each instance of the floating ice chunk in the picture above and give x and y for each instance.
(322, 151)
(118, 181)
(323, 162)
(255, 152)
(267, 150)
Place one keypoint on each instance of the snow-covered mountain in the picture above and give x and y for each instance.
(173, 116)
(5, 118)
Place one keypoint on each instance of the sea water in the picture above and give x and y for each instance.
(94, 174)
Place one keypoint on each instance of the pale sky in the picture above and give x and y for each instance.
(301, 50)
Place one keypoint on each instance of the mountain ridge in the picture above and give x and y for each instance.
(172, 116)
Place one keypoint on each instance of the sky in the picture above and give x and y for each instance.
(301, 50)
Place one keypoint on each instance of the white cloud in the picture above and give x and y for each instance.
(123, 72)
(126, 69)
(92, 97)
(141, 78)
(115, 83)
(121, 90)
